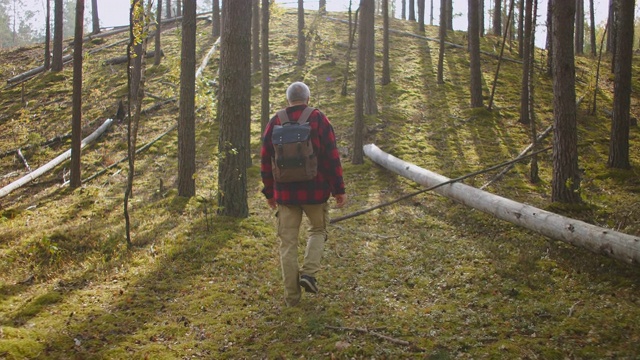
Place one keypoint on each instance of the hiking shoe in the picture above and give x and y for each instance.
(309, 283)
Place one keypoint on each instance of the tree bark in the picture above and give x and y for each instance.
(579, 40)
(592, 15)
(474, 55)
(549, 38)
(619, 143)
(95, 19)
(186, 122)
(265, 109)
(53, 163)
(158, 48)
(215, 19)
(302, 48)
(322, 7)
(421, 12)
(47, 37)
(169, 15)
(443, 35)
(56, 64)
(412, 10)
(76, 121)
(235, 108)
(617, 245)
(497, 17)
(368, 21)
(255, 32)
(386, 71)
(566, 175)
(526, 64)
(357, 157)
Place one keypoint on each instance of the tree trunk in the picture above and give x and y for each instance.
(481, 19)
(443, 35)
(169, 14)
(158, 48)
(76, 121)
(550, 38)
(599, 240)
(534, 176)
(579, 40)
(404, 10)
(358, 124)
(421, 11)
(302, 48)
(186, 122)
(592, 14)
(521, 11)
(95, 19)
(386, 72)
(431, 14)
(497, 17)
(619, 143)
(566, 175)
(368, 18)
(255, 32)
(412, 10)
(235, 108)
(265, 109)
(179, 6)
(215, 18)
(526, 64)
(322, 7)
(474, 55)
(611, 39)
(53, 163)
(47, 37)
(58, 14)
(449, 13)
(353, 27)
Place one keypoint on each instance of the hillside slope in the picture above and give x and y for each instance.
(453, 282)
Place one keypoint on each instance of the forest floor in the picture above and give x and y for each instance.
(425, 278)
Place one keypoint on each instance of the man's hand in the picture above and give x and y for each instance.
(272, 203)
(341, 199)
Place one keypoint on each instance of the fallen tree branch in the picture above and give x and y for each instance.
(378, 335)
(596, 239)
(206, 59)
(24, 161)
(450, 181)
(522, 153)
(141, 149)
(53, 163)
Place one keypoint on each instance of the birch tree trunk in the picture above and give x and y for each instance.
(599, 240)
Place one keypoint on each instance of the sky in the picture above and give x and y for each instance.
(115, 12)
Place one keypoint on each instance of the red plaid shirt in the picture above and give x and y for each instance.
(329, 179)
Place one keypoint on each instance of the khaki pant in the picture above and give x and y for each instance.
(289, 221)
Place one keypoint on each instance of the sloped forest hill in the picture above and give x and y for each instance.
(424, 278)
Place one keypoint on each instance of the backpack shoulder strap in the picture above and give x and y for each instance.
(282, 115)
(304, 117)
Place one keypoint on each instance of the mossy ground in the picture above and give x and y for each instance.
(454, 282)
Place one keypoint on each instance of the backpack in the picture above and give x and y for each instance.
(294, 158)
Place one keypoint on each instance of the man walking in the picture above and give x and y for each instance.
(310, 197)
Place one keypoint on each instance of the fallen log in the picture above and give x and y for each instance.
(53, 163)
(207, 57)
(599, 240)
(33, 72)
